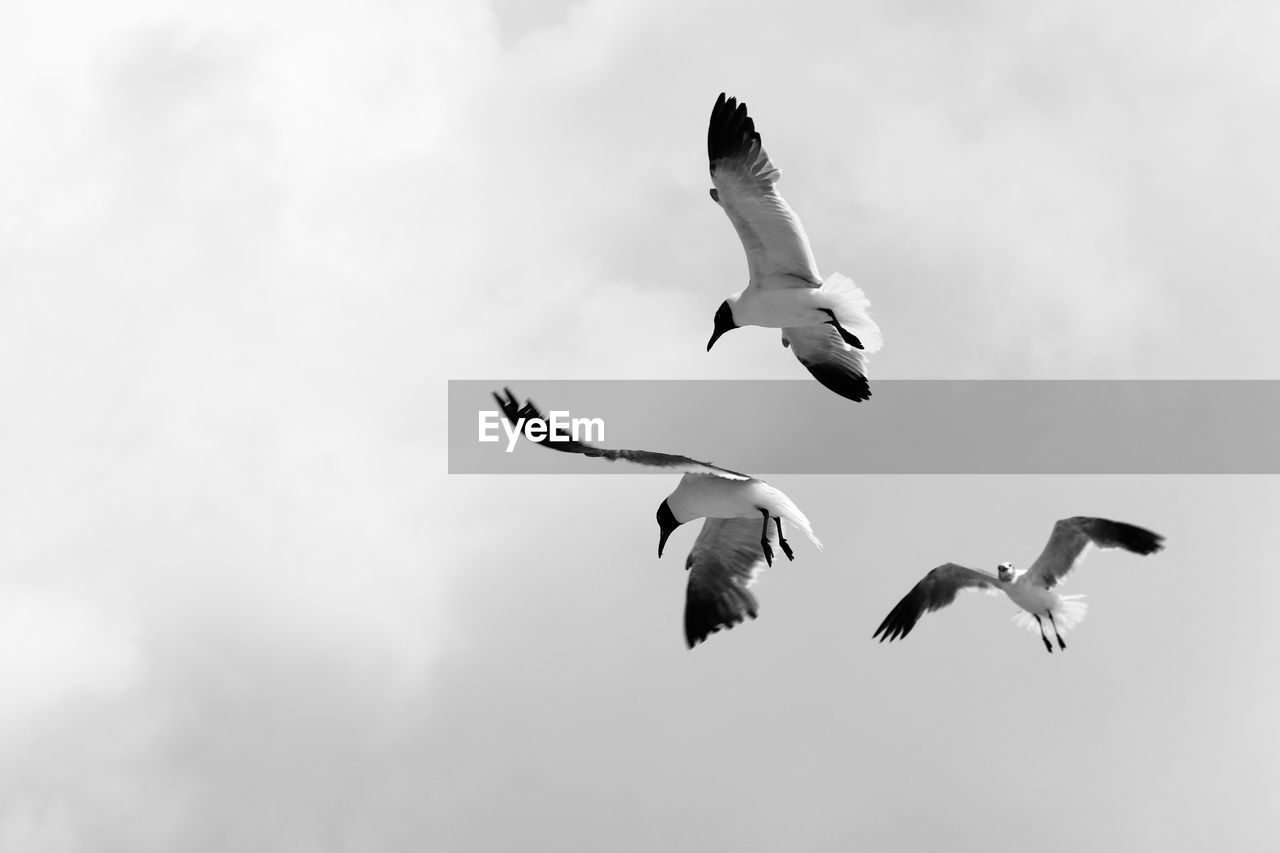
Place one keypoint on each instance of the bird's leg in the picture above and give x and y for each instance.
(849, 337)
(1061, 644)
(764, 538)
(786, 549)
(1048, 646)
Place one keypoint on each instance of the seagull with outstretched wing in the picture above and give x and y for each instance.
(742, 514)
(825, 323)
(1032, 590)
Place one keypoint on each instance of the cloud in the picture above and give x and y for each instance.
(67, 651)
(224, 552)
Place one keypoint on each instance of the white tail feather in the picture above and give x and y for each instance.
(850, 305)
(795, 518)
(1067, 613)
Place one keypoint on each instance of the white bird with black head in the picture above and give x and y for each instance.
(1032, 590)
(741, 512)
(825, 323)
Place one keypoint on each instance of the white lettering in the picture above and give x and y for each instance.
(560, 427)
(488, 423)
(513, 433)
(587, 433)
(558, 423)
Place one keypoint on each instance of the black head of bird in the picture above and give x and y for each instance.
(724, 323)
(666, 523)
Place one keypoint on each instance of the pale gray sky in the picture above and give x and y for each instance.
(243, 245)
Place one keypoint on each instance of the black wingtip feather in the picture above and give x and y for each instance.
(849, 386)
(894, 627)
(705, 616)
(1138, 539)
(510, 406)
(889, 628)
(513, 411)
(1118, 534)
(731, 131)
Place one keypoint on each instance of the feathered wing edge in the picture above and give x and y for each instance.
(744, 178)
(725, 560)
(515, 413)
(732, 139)
(835, 364)
(934, 591)
(1070, 540)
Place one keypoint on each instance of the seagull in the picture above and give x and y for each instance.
(742, 513)
(825, 323)
(1031, 590)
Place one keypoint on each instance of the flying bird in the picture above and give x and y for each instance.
(1031, 590)
(825, 323)
(742, 514)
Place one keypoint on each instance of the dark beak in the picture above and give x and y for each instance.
(666, 523)
(715, 336)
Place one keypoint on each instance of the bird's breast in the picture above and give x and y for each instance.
(1031, 597)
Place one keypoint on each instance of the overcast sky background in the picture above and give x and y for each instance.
(243, 245)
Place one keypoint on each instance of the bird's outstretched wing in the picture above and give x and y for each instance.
(832, 362)
(725, 560)
(934, 591)
(1071, 539)
(517, 414)
(778, 252)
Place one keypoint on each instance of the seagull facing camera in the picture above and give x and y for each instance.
(1033, 590)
